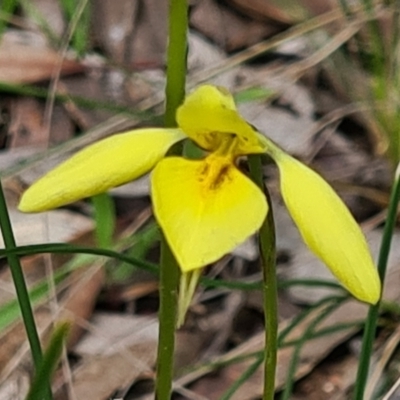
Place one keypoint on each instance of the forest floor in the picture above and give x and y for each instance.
(299, 73)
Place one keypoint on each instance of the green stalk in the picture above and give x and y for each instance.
(176, 59)
(169, 281)
(268, 257)
(370, 326)
(170, 273)
(20, 287)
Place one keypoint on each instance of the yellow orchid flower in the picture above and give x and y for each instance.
(201, 205)
(207, 207)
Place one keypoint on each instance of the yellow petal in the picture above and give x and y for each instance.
(99, 167)
(328, 228)
(205, 208)
(209, 113)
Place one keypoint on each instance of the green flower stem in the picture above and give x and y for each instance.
(169, 281)
(20, 286)
(268, 257)
(170, 273)
(176, 59)
(370, 326)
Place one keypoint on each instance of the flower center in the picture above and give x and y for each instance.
(227, 145)
(216, 166)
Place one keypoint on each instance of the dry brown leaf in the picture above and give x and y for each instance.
(14, 352)
(263, 10)
(149, 42)
(62, 128)
(26, 58)
(208, 17)
(312, 353)
(137, 290)
(26, 125)
(53, 226)
(16, 387)
(132, 33)
(318, 7)
(204, 55)
(189, 346)
(119, 349)
(330, 381)
(15, 367)
(81, 299)
(99, 377)
(113, 24)
(97, 87)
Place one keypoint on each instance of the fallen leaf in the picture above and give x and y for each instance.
(208, 17)
(53, 226)
(113, 26)
(26, 58)
(118, 350)
(27, 126)
(265, 10)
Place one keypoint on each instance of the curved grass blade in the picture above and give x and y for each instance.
(49, 362)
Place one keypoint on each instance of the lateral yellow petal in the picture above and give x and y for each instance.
(209, 113)
(328, 228)
(205, 208)
(108, 163)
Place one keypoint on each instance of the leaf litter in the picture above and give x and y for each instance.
(113, 347)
